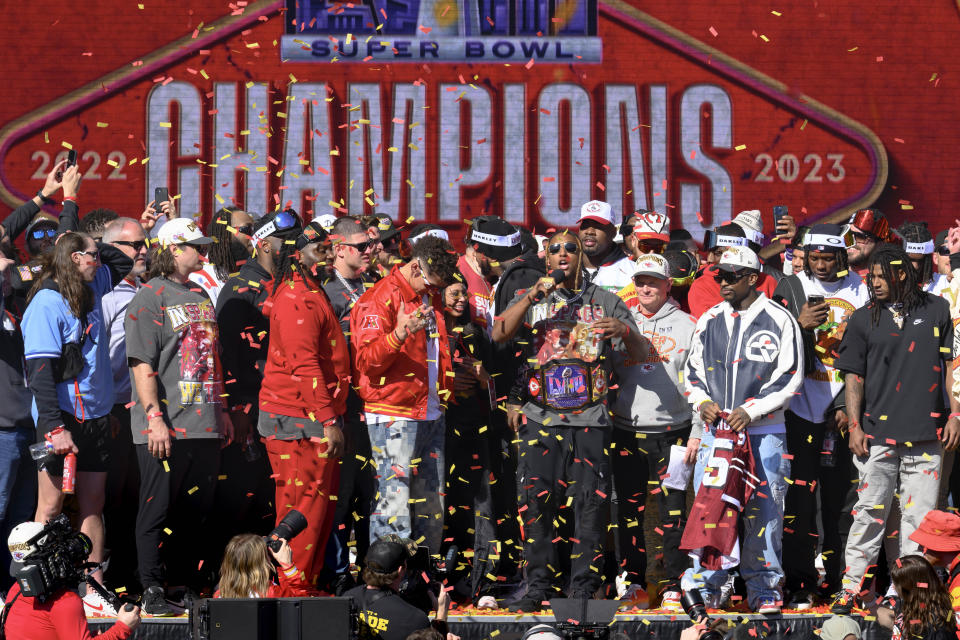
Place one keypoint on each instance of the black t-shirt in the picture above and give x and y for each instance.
(343, 294)
(903, 369)
(384, 615)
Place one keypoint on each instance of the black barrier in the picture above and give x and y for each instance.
(634, 627)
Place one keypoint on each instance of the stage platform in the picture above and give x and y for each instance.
(656, 625)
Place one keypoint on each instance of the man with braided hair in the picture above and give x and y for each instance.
(894, 354)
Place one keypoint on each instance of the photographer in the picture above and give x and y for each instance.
(384, 614)
(59, 615)
(250, 570)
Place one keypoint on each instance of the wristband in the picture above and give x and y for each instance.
(72, 199)
(54, 432)
(44, 198)
(155, 414)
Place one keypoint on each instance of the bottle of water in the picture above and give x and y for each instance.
(828, 453)
(41, 450)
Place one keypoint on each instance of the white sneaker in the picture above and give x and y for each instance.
(94, 606)
(635, 596)
(487, 602)
(671, 601)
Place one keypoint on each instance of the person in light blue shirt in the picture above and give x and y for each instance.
(66, 349)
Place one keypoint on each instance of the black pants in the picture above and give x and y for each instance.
(177, 500)
(123, 487)
(640, 461)
(811, 481)
(576, 465)
(469, 518)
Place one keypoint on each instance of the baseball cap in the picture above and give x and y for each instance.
(181, 231)
(652, 264)
(839, 627)
(388, 553)
(941, 238)
(541, 632)
(326, 220)
(738, 258)
(938, 531)
(19, 546)
(597, 211)
(495, 238)
(313, 232)
(386, 227)
(651, 225)
(282, 224)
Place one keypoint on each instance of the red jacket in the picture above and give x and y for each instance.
(308, 363)
(59, 618)
(289, 584)
(389, 376)
(705, 291)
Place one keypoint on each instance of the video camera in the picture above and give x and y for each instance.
(414, 588)
(58, 561)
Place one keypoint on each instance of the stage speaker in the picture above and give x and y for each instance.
(274, 619)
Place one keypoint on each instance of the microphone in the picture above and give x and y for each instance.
(558, 276)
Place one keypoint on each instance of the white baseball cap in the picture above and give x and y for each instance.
(326, 220)
(597, 211)
(181, 231)
(652, 226)
(737, 258)
(19, 546)
(652, 264)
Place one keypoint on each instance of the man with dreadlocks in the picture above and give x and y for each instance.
(231, 229)
(894, 354)
(303, 398)
(920, 247)
(567, 328)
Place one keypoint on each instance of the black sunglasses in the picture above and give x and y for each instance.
(199, 248)
(730, 277)
(361, 247)
(857, 235)
(246, 229)
(136, 245)
(943, 250)
(569, 247)
(39, 234)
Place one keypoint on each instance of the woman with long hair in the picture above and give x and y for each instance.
(926, 611)
(251, 569)
(66, 348)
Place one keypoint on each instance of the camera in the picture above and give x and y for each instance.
(288, 528)
(58, 561)
(593, 618)
(693, 606)
(414, 588)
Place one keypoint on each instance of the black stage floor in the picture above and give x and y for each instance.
(639, 626)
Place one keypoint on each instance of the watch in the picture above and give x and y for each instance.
(44, 198)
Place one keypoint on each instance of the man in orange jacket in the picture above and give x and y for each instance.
(401, 366)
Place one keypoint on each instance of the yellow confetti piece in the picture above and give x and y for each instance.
(192, 490)
(166, 466)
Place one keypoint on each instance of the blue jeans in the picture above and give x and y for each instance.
(18, 487)
(760, 546)
(408, 455)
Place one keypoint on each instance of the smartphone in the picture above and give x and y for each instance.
(815, 300)
(71, 158)
(779, 212)
(160, 195)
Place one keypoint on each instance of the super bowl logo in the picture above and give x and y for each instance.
(560, 31)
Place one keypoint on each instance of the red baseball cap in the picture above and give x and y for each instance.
(939, 531)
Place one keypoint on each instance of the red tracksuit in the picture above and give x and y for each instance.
(305, 383)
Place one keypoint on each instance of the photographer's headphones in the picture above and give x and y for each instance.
(540, 632)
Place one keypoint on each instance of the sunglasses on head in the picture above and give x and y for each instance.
(39, 234)
(136, 245)
(569, 247)
(730, 277)
(93, 254)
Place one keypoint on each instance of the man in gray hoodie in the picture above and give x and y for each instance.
(652, 415)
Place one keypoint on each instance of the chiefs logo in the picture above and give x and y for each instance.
(533, 387)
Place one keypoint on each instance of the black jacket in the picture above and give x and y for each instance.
(244, 332)
(506, 364)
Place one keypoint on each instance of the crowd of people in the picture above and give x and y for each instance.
(518, 401)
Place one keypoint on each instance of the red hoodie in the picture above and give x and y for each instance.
(705, 291)
(308, 364)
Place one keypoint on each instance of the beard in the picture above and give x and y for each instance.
(238, 250)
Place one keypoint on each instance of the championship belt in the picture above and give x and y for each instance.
(567, 384)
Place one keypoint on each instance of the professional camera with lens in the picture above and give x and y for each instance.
(693, 606)
(414, 588)
(288, 528)
(58, 561)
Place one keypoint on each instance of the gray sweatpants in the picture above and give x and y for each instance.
(916, 469)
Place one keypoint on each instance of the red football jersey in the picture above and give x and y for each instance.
(729, 480)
